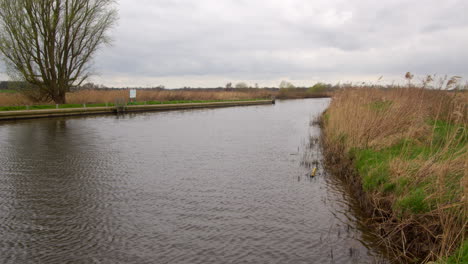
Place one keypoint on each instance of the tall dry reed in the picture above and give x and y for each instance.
(14, 99)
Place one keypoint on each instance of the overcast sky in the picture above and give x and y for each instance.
(207, 43)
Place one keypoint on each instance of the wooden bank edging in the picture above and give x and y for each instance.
(30, 114)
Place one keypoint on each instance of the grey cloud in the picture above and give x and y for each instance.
(270, 39)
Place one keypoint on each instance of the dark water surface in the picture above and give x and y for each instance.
(204, 186)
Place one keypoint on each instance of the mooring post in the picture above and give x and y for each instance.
(56, 106)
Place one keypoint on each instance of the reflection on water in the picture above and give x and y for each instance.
(204, 186)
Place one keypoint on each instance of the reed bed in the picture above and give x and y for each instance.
(107, 96)
(408, 149)
(14, 99)
(111, 96)
(99, 96)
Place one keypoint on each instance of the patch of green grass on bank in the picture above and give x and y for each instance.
(373, 167)
(40, 107)
(63, 106)
(7, 91)
(444, 131)
(12, 108)
(415, 201)
(413, 196)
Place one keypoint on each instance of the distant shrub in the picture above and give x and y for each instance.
(286, 85)
(241, 85)
(318, 88)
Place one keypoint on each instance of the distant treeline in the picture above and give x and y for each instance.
(429, 82)
(4, 85)
(15, 85)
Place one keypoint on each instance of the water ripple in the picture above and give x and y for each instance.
(205, 186)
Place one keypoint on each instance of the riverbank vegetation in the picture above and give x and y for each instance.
(66, 106)
(299, 93)
(13, 98)
(405, 152)
(95, 96)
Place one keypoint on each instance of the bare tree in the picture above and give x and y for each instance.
(50, 43)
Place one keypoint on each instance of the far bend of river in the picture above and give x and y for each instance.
(203, 186)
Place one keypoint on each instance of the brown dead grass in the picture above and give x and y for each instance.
(379, 118)
(13, 99)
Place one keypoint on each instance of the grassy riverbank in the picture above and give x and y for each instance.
(66, 106)
(7, 91)
(12, 98)
(408, 153)
(95, 96)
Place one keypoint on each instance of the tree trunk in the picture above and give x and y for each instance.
(60, 92)
(60, 98)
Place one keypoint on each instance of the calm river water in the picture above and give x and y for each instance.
(204, 186)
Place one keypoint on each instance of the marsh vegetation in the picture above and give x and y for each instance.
(405, 151)
(17, 98)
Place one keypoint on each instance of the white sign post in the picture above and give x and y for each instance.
(132, 94)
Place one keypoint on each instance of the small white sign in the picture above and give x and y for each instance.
(132, 93)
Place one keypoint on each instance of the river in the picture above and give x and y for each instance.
(201, 186)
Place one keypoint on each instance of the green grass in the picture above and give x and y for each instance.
(442, 132)
(460, 256)
(415, 201)
(373, 167)
(7, 91)
(12, 108)
(37, 107)
(412, 196)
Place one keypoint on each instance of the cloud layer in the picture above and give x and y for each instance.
(209, 42)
